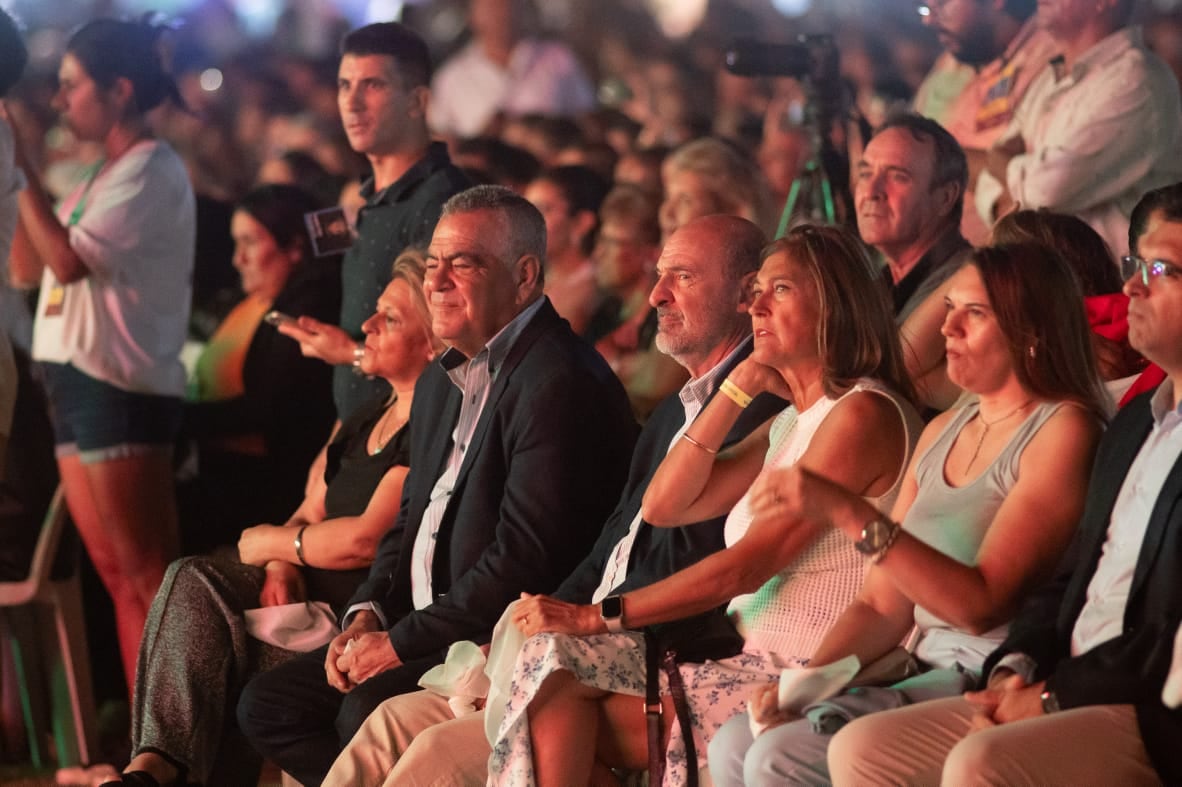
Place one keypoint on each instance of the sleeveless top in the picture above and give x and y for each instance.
(954, 521)
(790, 614)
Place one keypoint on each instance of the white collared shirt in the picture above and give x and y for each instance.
(693, 397)
(1102, 616)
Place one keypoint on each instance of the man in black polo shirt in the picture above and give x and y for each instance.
(383, 96)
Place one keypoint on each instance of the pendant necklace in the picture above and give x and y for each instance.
(989, 425)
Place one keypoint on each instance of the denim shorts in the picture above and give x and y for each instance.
(98, 422)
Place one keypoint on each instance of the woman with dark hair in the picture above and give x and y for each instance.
(258, 410)
(1086, 253)
(988, 506)
(823, 340)
(200, 645)
(114, 263)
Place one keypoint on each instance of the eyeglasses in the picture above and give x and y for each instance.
(1149, 269)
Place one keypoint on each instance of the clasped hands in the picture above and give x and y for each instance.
(1007, 698)
(358, 653)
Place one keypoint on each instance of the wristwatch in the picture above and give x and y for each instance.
(1050, 703)
(877, 536)
(611, 609)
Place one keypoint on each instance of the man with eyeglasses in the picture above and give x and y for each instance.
(1074, 694)
(1002, 43)
(1100, 126)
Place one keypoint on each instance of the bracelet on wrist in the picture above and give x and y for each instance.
(694, 442)
(299, 545)
(734, 393)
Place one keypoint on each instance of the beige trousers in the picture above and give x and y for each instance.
(929, 743)
(414, 740)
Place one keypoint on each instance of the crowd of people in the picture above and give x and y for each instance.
(535, 442)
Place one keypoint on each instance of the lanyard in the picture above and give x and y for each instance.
(80, 207)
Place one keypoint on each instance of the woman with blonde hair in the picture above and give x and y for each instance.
(198, 648)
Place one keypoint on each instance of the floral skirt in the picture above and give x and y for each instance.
(716, 691)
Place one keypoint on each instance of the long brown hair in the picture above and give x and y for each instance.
(1039, 307)
(857, 336)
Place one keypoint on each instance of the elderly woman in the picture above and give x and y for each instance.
(711, 175)
(824, 340)
(987, 508)
(196, 652)
(257, 410)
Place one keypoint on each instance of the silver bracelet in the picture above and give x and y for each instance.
(299, 546)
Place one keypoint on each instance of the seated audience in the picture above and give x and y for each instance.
(1097, 128)
(823, 340)
(197, 651)
(569, 199)
(624, 325)
(1075, 690)
(257, 410)
(708, 287)
(642, 168)
(987, 509)
(707, 176)
(506, 492)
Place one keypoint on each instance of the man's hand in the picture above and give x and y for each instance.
(320, 340)
(363, 622)
(367, 655)
(284, 584)
(534, 614)
(1006, 700)
(997, 159)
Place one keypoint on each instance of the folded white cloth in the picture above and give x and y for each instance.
(803, 686)
(303, 626)
(460, 678)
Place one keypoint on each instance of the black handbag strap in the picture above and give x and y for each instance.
(655, 662)
(652, 711)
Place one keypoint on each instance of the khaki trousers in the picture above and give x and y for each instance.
(414, 740)
(930, 743)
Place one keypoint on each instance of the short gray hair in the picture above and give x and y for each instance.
(527, 228)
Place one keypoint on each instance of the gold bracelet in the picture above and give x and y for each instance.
(734, 393)
(692, 441)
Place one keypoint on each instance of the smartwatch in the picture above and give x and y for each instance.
(611, 609)
(1050, 703)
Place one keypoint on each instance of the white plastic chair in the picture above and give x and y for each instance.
(67, 666)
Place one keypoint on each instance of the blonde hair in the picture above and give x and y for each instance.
(410, 266)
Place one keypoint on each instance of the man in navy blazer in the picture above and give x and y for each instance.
(520, 438)
(1074, 694)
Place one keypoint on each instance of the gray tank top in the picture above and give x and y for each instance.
(954, 521)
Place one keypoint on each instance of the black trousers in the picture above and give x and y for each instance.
(295, 719)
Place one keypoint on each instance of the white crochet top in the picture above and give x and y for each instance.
(790, 614)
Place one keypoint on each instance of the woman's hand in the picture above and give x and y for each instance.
(754, 378)
(796, 493)
(284, 584)
(765, 707)
(534, 614)
(256, 545)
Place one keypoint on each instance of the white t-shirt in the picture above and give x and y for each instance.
(125, 322)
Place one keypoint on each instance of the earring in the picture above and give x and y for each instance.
(1032, 352)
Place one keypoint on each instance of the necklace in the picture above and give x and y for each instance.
(383, 426)
(989, 425)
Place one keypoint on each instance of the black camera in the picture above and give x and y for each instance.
(812, 56)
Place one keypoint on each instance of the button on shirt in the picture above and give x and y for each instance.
(693, 397)
(1102, 616)
(474, 378)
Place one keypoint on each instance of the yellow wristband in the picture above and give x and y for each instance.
(734, 393)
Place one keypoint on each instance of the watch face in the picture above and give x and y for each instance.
(611, 607)
(874, 535)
